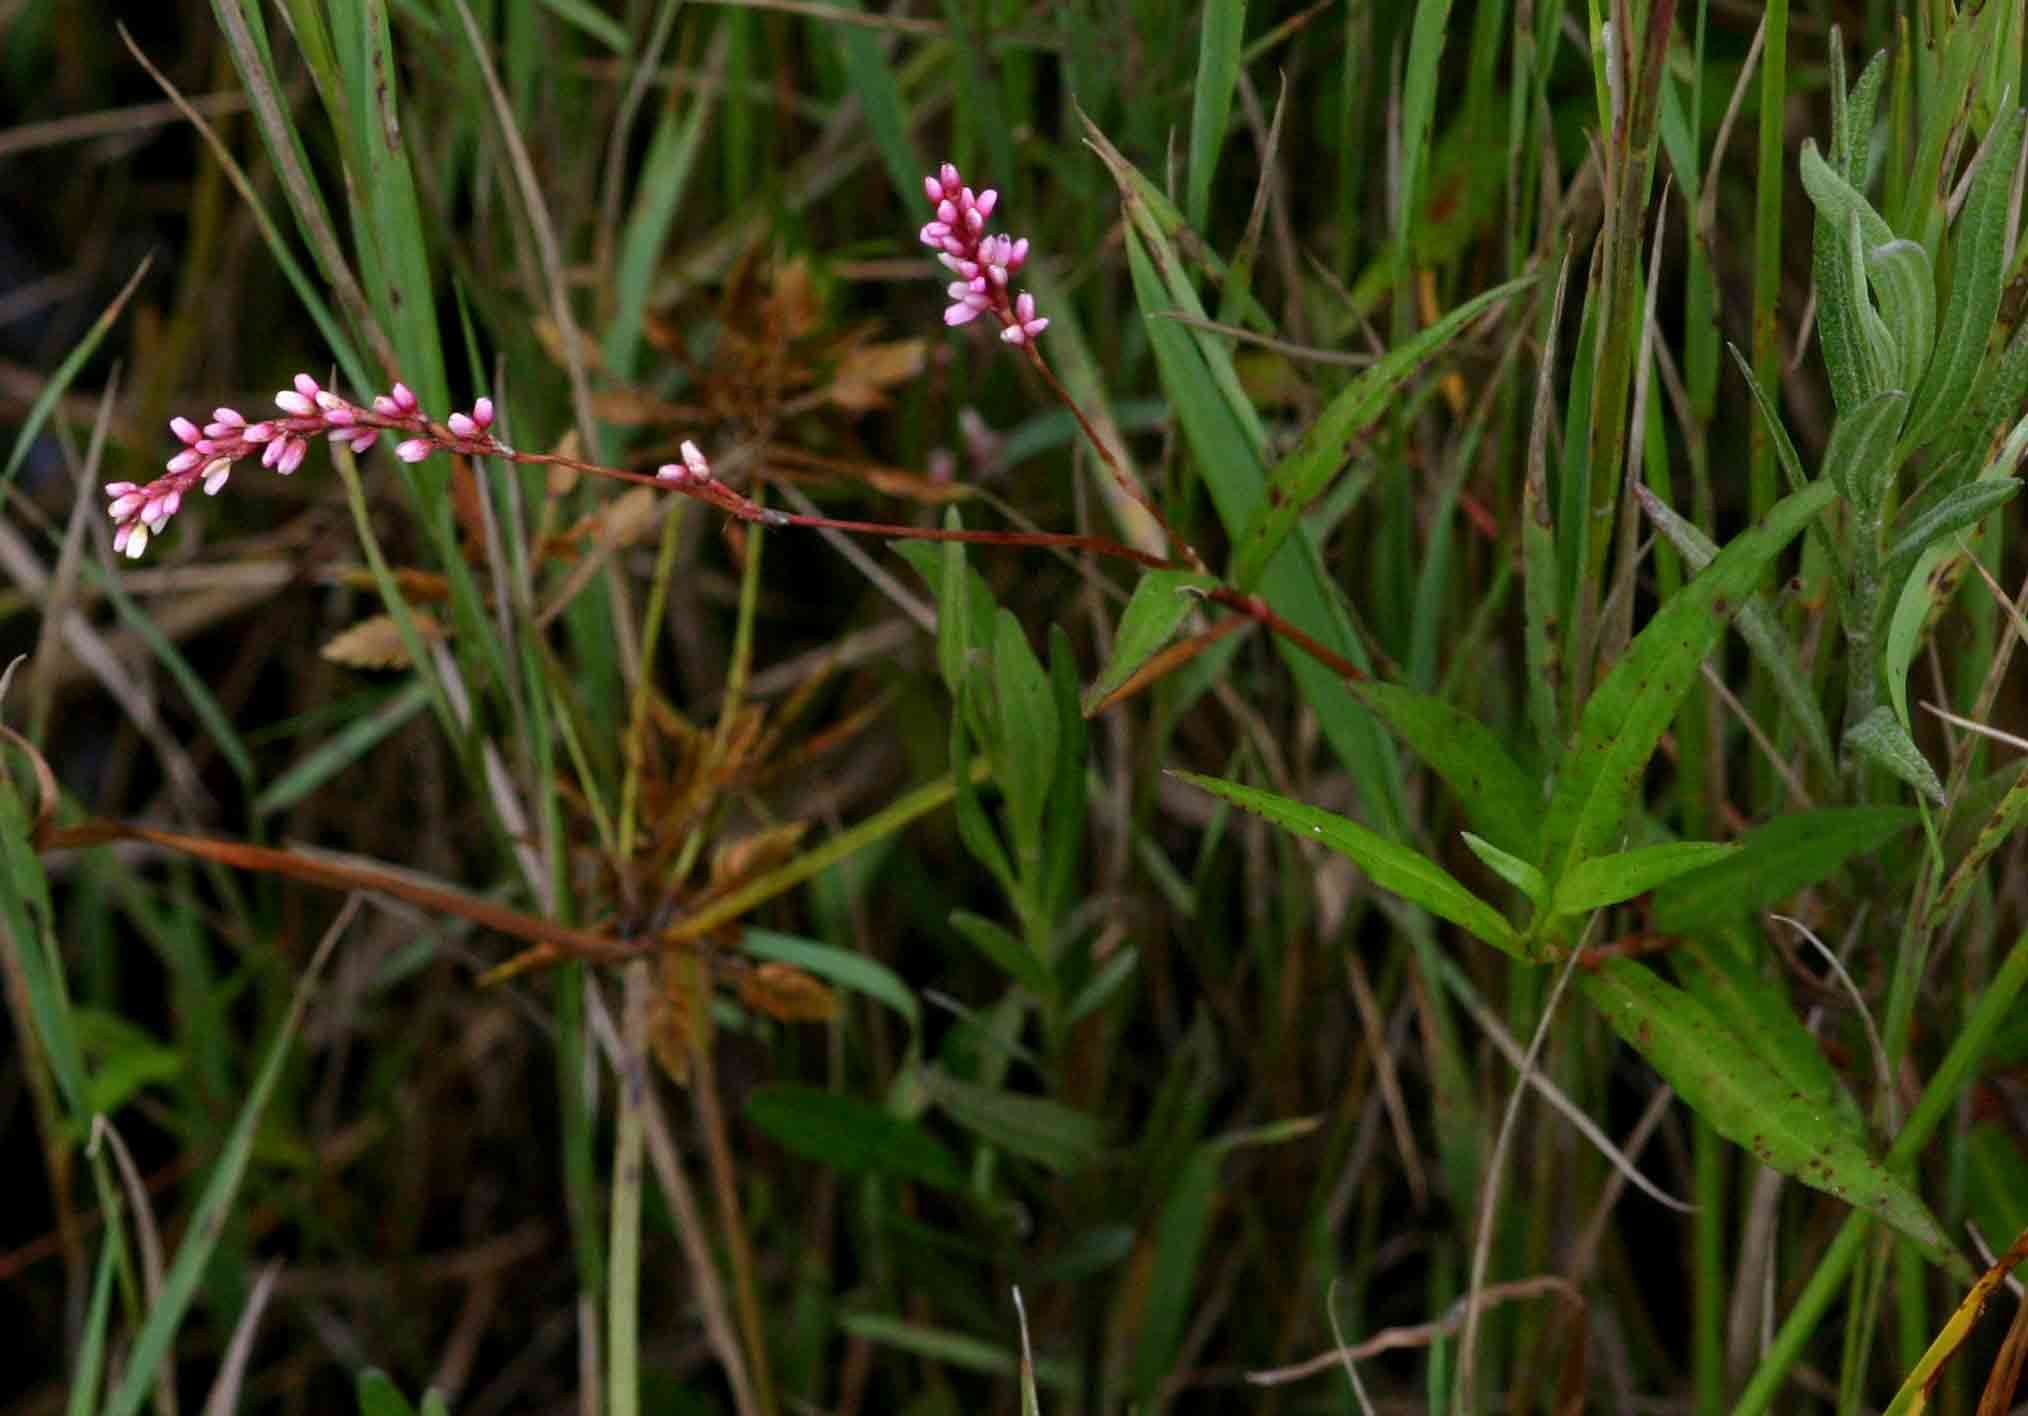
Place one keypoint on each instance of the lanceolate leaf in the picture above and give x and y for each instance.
(1394, 867)
(1758, 626)
(1905, 285)
(851, 1135)
(1965, 506)
(1789, 853)
(1158, 605)
(1726, 1082)
(1860, 456)
(1979, 256)
(1304, 474)
(1880, 739)
(1608, 879)
(1496, 794)
(2006, 816)
(1047, 1132)
(1841, 299)
(1632, 706)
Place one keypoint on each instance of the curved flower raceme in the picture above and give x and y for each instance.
(982, 262)
(141, 510)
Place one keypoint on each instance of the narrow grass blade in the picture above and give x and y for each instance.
(54, 386)
(201, 1235)
(844, 967)
(879, 96)
(1725, 1082)
(954, 1349)
(1392, 866)
(89, 1373)
(349, 745)
(1218, 45)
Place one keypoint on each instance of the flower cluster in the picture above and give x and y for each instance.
(982, 262)
(140, 511)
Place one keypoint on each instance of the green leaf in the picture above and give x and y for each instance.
(379, 1396)
(1160, 602)
(1106, 980)
(1999, 825)
(1881, 739)
(1049, 1133)
(1978, 269)
(1025, 760)
(345, 747)
(1778, 433)
(666, 167)
(125, 1058)
(89, 1373)
(1627, 713)
(54, 387)
(1774, 861)
(1394, 867)
(1725, 1081)
(207, 1219)
(1842, 298)
(1497, 796)
(873, 84)
(954, 1349)
(1302, 476)
(851, 1135)
(1608, 879)
(1720, 970)
(593, 21)
(1009, 954)
(847, 968)
(1180, 1236)
(1905, 285)
(1512, 869)
(1758, 626)
(1959, 508)
(1860, 457)
(1218, 46)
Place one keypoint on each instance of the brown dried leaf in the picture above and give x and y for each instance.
(867, 372)
(736, 862)
(679, 1020)
(416, 585)
(375, 643)
(787, 994)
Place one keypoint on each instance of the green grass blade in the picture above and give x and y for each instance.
(1222, 33)
(347, 746)
(201, 1235)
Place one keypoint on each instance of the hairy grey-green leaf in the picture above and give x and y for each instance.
(1860, 458)
(1905, 285)
(1880, 739)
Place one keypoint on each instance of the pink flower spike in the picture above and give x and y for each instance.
(694, 459)
(464, 427)
(307, 386)
(137, 540)
(230, 417)
(289, 401)
(184, 460)
(185, 430)
(294, 450)
(127, 503)
(215, 474)
(482, 412)
(414, 450)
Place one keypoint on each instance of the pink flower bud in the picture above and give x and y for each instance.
(340, 416)
(118, 489)
(136, 536)
(184, 460)
(258, 432)
(671, 472)
(272, 453)
(988, 199)
(947, 213)
(230, 417)
(293, 452)
(306, 386)
(960, 314)
(482, 413)
(215, 474)
(694, 459)
(404, 397)
(185, 430)
(126, 504)
(299, 404)
(951, 180)
(414, 450)
(462, 426)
